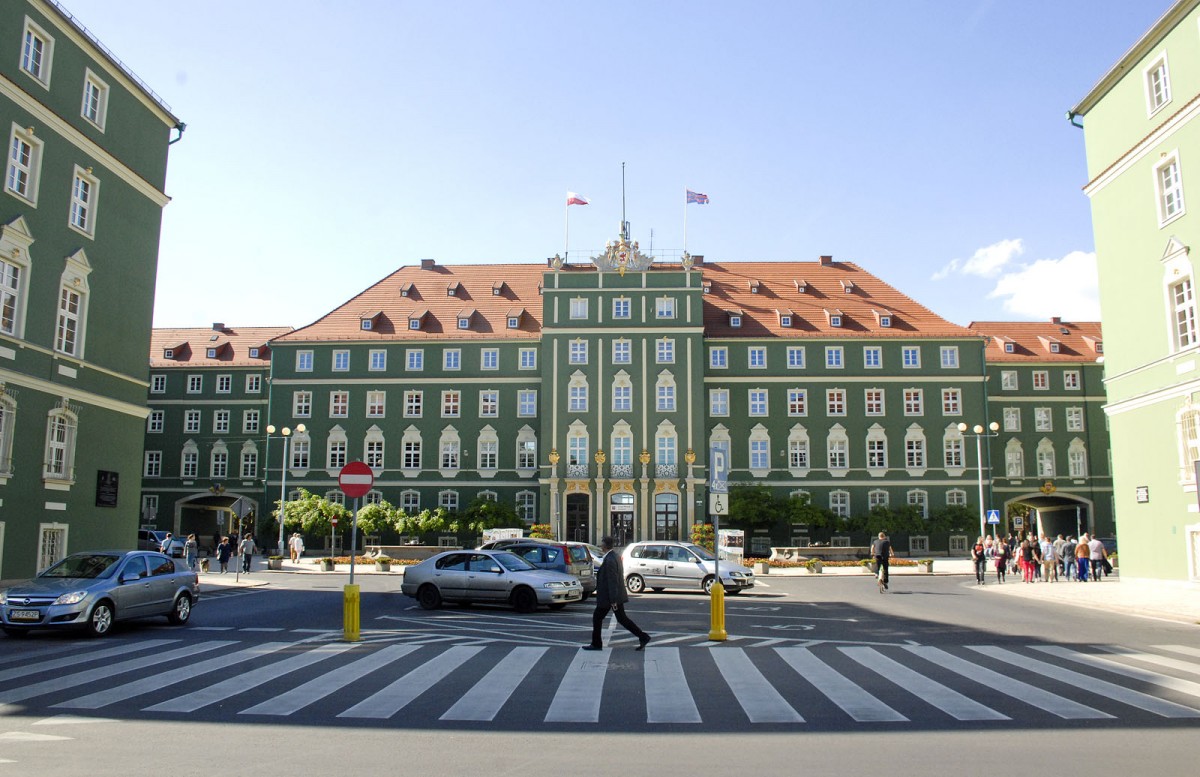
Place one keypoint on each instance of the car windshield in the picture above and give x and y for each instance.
(513, 563)
(701, 552)
(83, 566)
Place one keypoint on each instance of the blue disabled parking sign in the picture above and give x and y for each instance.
(993, 516)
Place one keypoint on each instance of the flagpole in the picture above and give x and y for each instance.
(685, 204)
(566, 227)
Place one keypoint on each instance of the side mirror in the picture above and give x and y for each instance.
(495, 570)
(129, 577)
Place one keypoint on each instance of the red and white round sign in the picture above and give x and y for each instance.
(356, 479)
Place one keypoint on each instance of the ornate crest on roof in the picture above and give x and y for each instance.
(621, 256)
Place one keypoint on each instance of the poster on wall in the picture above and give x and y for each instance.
(107, 486)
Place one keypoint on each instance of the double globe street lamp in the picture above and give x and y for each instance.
(284, 434)
(993, 430)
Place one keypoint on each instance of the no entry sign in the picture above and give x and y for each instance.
(356, 479)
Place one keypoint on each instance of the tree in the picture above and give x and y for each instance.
(754, 506)
(312, 514)
(424, 523)
(702, 535)
(485, 514)
(954, 518)
(374, 518)
(800, 509)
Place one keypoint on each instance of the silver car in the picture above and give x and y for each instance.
(662, 564)
(495, 576)
(91, 591)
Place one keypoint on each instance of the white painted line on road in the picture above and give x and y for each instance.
(851, 697)
(212, 628)
(1189, 651)
(262, 628)
(26, 670)
(668, 697)
(70, 720)
(486, 697)
(758, 698)
(1142, 675)
(577, 699)
(392, 698)
(318, 688)
(930, 691)
(29, 736)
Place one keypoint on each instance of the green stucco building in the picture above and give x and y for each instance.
(1140, 130)
(85, 168)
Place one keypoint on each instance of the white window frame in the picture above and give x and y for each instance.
(1043, 420)
(39, 65)
(577, 352)
(94, 105)
(756, 357)
(452, 359)
(527, 403)
(1012, 419)
(910, 357)
(1071, 380)
(874, 402)
(758, 402)
(622, 351)
(1009, 380)
(795, 357)
(21, 177)
(302, 404)
(718, 357)
(377, 360)
(152, 464)
(414, 360)
(489, 359)
(451, 403)
(304, 361)
(664, 307)
(835, 402)
(872, 357)
(622, 308)
(1156, 78)
(578, 309)
(154, 422)
(250, 421)
(797, 402)
(195, 384)
(414, 403)
(834, 357)
(158, 384)
(528, 359)
(376, 405)
(71, 317)
(339, 403)
(224, 384)
(1168, 187)
(914, 402)
(951, 402)
(85, 202)
(949, 355)
(220, 421)
(1182, 299)
(718, 403)
(622, 393)
(489, 403)
(191, 421)
(1074, 421)
(664, 349)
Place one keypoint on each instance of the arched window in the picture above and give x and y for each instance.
(798, 451)
(1014, 459)
(61, 429)
(1045, 458)
(1077, 459)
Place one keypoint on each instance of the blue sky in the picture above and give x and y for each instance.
(329, 143)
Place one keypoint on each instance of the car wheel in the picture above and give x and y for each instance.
(707, 584)
(635, 584)
(181, 611)
(558, 605)
(100, 622)
(429, 597)
(524, 600)
(18, 633)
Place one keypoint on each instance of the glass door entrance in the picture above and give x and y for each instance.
(577, 518)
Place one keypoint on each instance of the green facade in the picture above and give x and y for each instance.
(80, 214)
(1141, 139)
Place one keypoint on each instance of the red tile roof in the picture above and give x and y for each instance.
(1078, 341)
(191, 346)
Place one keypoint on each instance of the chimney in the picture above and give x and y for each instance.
(427, 264)
(826, 260)
(698, 260)
(1056, 320)
(218, 327)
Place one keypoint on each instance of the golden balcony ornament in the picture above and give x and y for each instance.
(644, 456)
(690, 457)
(600, 457)
(553, 457)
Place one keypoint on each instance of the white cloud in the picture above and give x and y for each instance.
(987, 262)
(1066, 287)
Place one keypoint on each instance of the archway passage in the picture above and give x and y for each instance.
(1058, 513)
(577, 517)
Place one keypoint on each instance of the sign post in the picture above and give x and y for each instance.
(993, 519)
(355, 479)
(718, 489)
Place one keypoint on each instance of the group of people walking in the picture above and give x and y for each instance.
(1040, 559)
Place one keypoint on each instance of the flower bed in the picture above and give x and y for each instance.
(896, 562)
(370, 560)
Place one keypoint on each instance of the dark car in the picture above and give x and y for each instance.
(91, 591)
(1109, 543)
(573, 558)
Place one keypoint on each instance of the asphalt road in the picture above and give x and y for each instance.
(935, 672)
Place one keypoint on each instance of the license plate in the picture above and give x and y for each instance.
(585, 573)
(24, 615)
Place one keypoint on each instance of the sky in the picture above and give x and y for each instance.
(330, 143)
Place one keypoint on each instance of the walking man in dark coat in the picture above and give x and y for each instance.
(611, 595)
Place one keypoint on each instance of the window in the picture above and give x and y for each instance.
(1074, 419)
(527, 506)
(735, 320)
(914, 453)
(339, 404)
(1071, 380)
(758, 402)
(464, 322)
(152, 465)
(1012, 419)
(191, 421)
(797, 399)
(37, 53)
(304, 361)
(250, 421)
(488, 453)
(1077, 459)
(910, 357)
(527, 403)
(158, 384)
(410, 502)
(373, 449)
(489, 359)
(622, 394)
(1158, 85)
(876, 453)
(718, 402)
(839, 503)
(189, 463)
(949, 357)
(224, 384)
(578, 352)
(249, 462)
(452, 359)
(664, 447)
(665, 351)
(665, 395)
(154, 422)
(95, 99)
(579, 308)
(757, 357)
(1045, 459)
(795, 357)
(798, 453)
(195, 384)
(84, 193)
(377, 360)
(1041, 420)
(1185, 313)
(914, 402)
(920, 500)
(489, 403)
(877, 498)
(835, 402)
(528, 358)
(254, 353)
(956, 496)
(1170, 189)
(718, 358)
(621, 307)
(874, 401)
(872, 357)
(1014, 460)
(527, 453)
(24, 165)
(341, 361)
(664, 307)
(220, 422)
(301, 404)
(1041, 380)
(451, 404)
(376, 404)
(1008, 380)
(952, 401)
(838, 451)
(412, 453)
(622, 352)
(414, 360)
(448, 501)
(760, 454)
(218, 462)
(577, 397)
(68, 332)
(450, 454)
(301, 446)
(833, 357)
(412, 403)
(952, 452)
(577, 448)
(622, 449)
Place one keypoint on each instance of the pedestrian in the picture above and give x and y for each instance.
(612, 596)
(1097, 555)
(979, 557)
(1068, 557)
(166, 544)
(191, 549)
(1058, 546)
(1001, 561)
(881, 550)
(989, 547)
(246, 550)
(1083, 555)
(223, 552)
(1027, 559)
(1049, 565)
(216, 541)
(296, 545)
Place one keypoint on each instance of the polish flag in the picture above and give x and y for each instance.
(576, 199)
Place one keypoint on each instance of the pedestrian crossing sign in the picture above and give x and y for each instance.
(993, 516)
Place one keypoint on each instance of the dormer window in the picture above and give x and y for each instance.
(406, 290)
(367, 320)
(212, 353)
(514, 317)
(801, 286)
(253, 353)
(366, 324)
(464, 323)
(735, 321)
(835, 320)
(785, 321)
(1053, 347)
(885, 321)
(753, 287)
(706, 288)
(452, 289)
(414, 319)
(464, 318)
(1099, 346)
(513, 322)
(168, 353)
(1010, 348)
(497, 288)
(884, 317)
(848, 287)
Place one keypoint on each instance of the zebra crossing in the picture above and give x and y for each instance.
(830, 685)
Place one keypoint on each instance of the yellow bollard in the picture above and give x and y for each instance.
(350, 613)
(717, 630)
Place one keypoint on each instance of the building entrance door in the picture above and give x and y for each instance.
(621, 519)
(577, 517)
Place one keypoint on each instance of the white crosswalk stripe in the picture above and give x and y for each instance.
(501, 682)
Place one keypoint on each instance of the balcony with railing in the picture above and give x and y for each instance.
(577, 471)
(621, 471)
(666, 470)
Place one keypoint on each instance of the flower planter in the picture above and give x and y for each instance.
(926, 566)
(870, 568)
(275, 563)
(762, 568)
(814, 566)
(383, 566)
(327, 566)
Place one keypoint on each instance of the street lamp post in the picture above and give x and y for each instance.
(285, 434)
(978, 433)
